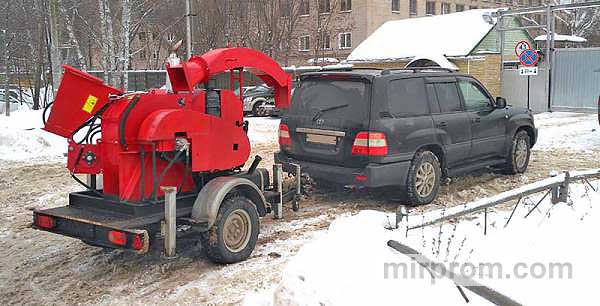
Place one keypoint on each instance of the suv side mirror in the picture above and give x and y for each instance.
(500, 102)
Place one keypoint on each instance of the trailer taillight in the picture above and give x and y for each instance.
(370, 143)
(118, 238)
(138, 242)
(43, 221)
(284, 136)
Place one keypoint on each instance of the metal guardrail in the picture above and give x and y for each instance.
(557, 185)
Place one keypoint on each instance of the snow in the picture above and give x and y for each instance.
(561, 37)
(22, 139)
(569, 131)
(346, 265)
(453, 34)
(441, 60)
(263, 130)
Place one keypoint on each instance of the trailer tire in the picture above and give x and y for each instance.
(233, 236)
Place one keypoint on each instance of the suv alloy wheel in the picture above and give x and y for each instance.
(424, 176)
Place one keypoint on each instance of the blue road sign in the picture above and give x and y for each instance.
(529, 58)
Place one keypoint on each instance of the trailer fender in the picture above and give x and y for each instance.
(209, 200)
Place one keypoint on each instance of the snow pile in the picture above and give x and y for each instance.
(571, 131)
(22, 139)
(453, 34)
(263, 130)
(347, 265)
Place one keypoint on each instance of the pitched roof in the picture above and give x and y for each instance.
(455, 34)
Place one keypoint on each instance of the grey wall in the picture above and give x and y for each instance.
(514, 89)
(576, 79)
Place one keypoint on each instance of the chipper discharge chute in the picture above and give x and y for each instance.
(190, 138)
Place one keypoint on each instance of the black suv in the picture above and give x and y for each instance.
(407, 128)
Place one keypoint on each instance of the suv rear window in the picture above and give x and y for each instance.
(406, 97)
(342, 98)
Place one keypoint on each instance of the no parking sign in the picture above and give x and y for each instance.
(529, 58)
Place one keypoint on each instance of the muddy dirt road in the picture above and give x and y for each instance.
(41, 268)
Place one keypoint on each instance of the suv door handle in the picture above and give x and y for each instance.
(442, 124)
(476, 120)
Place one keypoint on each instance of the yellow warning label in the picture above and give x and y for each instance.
(89, 104)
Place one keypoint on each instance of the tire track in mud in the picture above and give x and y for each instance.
(42, 268)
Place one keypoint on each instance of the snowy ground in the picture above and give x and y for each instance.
(41, 268)
(22, 139)
(347, 264)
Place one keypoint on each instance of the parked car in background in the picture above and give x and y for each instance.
(404, 128)
(258, 100)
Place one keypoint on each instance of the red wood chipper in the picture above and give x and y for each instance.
(193, 138)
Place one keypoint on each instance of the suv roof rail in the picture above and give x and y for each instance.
(417, 69)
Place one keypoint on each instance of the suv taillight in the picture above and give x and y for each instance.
(284, 136)
(370, 143)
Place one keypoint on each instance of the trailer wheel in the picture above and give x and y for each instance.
(233, 236)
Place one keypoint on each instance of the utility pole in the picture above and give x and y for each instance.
(188, 28)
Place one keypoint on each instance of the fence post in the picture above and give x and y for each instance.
(564, 188)
(170, 219)
(401, 214)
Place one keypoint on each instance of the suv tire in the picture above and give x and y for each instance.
(233, 236)
(423, 181)
(519, 154)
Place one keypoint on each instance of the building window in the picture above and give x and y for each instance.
(345, 40)
(284, 8)
(430, 8)
(142, 36)
(304, 43)
(143, 54)
(395, 5)
(346, 5)
(412, 7)
(171, 37)
(445, 8)
(473, 7)
(304, 8)
(325, 42)
(460, 7)
(155, 54)
(324, 6)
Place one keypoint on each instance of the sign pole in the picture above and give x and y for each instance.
(528, 78)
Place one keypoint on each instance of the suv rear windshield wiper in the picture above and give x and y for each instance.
(320, 112)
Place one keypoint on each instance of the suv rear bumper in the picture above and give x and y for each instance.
(372, 175)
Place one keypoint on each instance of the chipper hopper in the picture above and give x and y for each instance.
(191, 136)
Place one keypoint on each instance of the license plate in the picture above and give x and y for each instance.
(321, 139)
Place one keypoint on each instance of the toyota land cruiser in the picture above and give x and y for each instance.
(406, 128)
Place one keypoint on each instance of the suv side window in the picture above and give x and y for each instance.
(475, 99)
(406, 97)
(448, 98)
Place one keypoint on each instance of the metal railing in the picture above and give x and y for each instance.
(557, 185)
